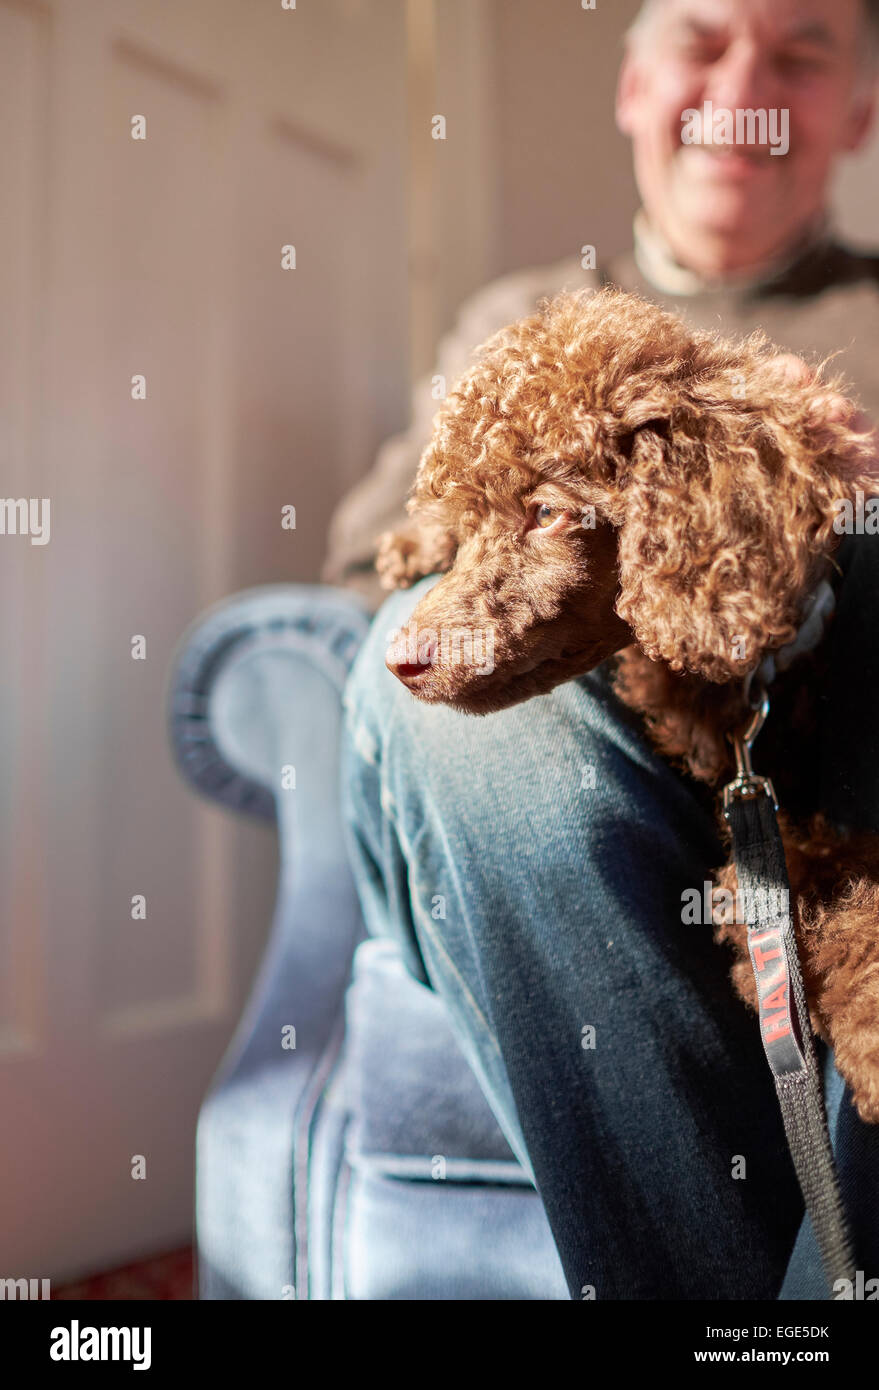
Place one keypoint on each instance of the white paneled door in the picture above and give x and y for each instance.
(169, 386)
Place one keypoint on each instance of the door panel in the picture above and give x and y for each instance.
(161, 258)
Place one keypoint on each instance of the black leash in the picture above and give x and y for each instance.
(749, 805)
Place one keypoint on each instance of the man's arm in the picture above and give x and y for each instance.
(377, 502)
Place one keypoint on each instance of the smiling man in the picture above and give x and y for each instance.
(729, 236)
(735, 210)
(561, 843)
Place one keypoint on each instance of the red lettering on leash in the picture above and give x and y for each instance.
(776, 1000)
(761, 956)
(778, 1027)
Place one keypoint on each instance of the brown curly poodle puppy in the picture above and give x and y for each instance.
(605, 482)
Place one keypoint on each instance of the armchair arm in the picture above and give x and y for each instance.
(256, 685)
(222, 712)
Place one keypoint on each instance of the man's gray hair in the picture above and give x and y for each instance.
(645, 17)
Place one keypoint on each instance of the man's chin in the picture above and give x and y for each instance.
(725, 235)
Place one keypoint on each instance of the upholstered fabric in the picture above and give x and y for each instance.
(317, 1172)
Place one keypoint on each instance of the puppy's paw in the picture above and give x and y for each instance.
(398, 560)
(868, 1108)
(858, 1063)
(408, 555)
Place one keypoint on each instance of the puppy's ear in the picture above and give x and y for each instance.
(619, 438)
(724, 508)
(419, 548)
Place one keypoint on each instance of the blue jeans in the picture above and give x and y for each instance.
(531, 866)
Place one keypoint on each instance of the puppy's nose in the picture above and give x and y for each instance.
(408, 659)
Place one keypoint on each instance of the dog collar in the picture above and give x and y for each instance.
(817, 614)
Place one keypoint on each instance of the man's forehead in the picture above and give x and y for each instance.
(823, 22)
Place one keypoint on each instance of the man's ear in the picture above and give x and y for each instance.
(861, 120)
(629, 86)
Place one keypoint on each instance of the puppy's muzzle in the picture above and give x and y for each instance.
(410, 660)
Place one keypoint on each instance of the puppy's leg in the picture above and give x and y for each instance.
(835, 886)
(412, 553)
(842, 945)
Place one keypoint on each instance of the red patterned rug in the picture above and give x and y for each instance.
(161, 1278)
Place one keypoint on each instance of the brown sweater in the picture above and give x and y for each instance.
(826, 302)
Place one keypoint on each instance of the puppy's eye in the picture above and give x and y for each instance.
(545, 515)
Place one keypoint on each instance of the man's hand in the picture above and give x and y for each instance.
(835, 408)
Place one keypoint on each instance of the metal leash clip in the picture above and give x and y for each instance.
(746, 785)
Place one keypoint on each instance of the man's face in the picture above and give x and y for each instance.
(726, 207)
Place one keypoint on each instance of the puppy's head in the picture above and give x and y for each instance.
(603, 476)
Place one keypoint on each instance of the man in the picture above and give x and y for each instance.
(563, 891)
(732, 238)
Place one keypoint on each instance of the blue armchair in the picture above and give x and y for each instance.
(363, 1162)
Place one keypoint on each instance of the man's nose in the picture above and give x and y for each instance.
(410, 656)
(740, 79)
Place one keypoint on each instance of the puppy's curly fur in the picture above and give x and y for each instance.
(694, 487)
